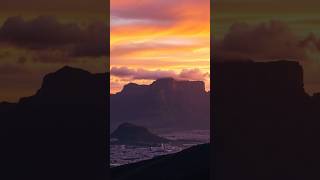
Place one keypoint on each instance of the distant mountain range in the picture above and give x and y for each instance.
(132, 134)
(265, 126)
(166, 103)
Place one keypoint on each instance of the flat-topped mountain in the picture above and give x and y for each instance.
(164, 103)
(128, 133)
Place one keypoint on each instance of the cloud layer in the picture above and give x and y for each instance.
(264, 41)
(138, 74)
(47, 33)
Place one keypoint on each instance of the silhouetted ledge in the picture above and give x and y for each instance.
(164, 103)
(128, 133)
(189, 164)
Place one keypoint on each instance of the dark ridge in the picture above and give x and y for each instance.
(189, 164)
(128, 133)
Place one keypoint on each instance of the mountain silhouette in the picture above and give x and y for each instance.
(166, 103)
(128, 133)
(192, 163)
(70, 86)
(265, 125)
(60, 132)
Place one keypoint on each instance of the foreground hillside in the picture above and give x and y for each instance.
(190, 164)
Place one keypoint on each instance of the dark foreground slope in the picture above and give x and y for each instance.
(60, 132)
(165, 103)
(190, 164)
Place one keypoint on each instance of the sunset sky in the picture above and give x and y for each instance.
(266, 30)
(40, 36)
(151, 39)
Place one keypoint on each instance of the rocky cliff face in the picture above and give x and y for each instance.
(166, 103)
